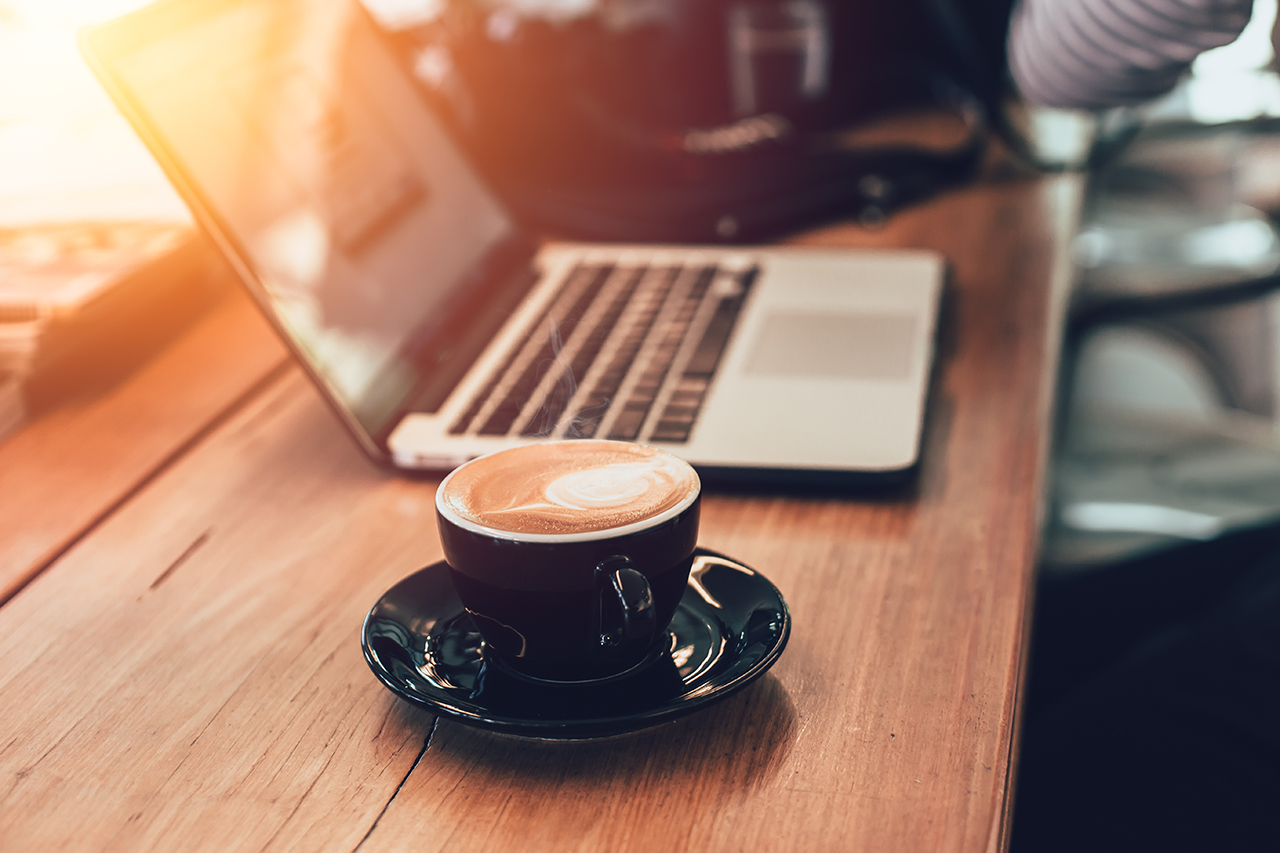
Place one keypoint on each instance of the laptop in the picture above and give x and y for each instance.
(439, 328)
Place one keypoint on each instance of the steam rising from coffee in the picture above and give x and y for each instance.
(569, 487)
(543, 422)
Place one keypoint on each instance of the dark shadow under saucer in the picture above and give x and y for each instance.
(730, 627)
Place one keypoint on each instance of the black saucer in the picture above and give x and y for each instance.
(731, 626)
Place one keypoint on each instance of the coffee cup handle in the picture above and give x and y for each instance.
(627, 614)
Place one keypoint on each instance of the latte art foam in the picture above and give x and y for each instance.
(568, 487)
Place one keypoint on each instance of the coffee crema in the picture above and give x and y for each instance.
(568, 487)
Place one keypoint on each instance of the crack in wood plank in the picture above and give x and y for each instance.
(182, 558)
(425, 743)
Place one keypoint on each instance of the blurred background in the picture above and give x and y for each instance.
(67, 153)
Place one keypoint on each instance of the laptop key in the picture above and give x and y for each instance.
(548, 414)
(716, 336)
(685, 402)
(588, 417)
(638, 303)
(477, 403)
(502, 418)
(630, 420)
(628, 424)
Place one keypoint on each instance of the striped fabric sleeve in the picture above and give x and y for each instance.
(1093, 54)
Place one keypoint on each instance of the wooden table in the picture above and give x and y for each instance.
(186, 559)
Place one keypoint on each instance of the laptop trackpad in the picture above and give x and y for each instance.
(837, 346)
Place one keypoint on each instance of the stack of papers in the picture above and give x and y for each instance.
(52, 275)
(12, 406)
(82, 305)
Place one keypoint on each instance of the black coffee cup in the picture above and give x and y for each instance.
(572, 606)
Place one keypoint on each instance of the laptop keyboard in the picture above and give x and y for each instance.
(622, 352)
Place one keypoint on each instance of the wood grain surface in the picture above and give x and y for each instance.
(187, 674)
(61, 472)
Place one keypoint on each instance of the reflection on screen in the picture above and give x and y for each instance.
(310, 146)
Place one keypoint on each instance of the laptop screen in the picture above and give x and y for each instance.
(306, 141)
